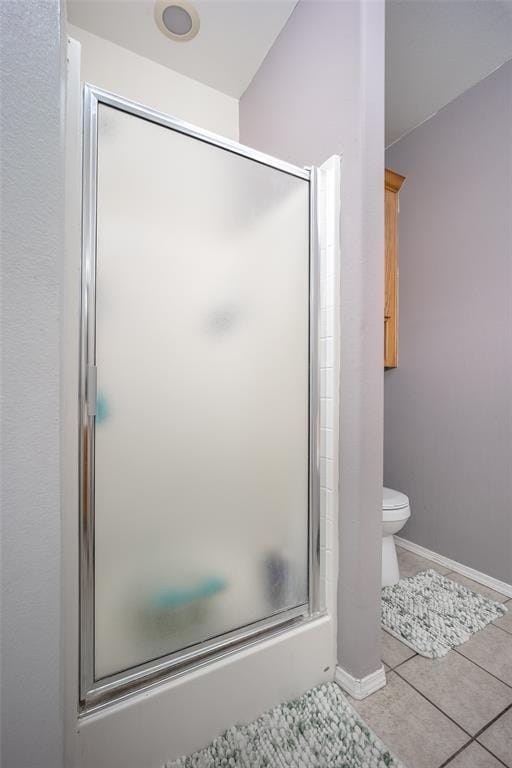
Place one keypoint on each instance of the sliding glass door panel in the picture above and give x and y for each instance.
(201, 454)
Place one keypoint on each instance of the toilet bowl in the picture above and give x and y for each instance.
(395, 513)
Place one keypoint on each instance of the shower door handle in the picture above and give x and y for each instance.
(92, 389)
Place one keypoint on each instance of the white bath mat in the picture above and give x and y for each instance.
(319, 730)
(432, 614)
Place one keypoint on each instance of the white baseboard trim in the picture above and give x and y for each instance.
(453, 565)
(363, 687)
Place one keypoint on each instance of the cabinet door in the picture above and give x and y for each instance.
(393, 182)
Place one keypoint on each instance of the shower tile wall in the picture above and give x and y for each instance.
(329, 259)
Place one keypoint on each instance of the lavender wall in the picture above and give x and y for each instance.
(320, 91)
(448, 406)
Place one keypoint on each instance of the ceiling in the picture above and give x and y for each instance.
(435, 50)
(233, 39)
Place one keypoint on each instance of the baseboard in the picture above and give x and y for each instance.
(362, 687)
(453, 565)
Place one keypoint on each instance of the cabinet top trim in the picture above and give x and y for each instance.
(392, 180)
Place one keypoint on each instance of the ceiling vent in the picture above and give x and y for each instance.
(179, 20)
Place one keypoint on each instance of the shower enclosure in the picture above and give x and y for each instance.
(199, 404)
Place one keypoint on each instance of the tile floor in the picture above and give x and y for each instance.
(455, 711)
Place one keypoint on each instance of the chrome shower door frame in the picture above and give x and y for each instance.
(98, 693)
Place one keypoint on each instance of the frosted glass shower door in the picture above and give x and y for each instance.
(201, 429)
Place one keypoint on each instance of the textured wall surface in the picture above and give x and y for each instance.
(320, 91)
(448, 406)
(32, 172)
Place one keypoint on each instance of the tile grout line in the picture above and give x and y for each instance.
(466, 733)
(498, 759)
(492, 624)
(455, 648)
(456, 754)
(435, 705)
(400, 663)
(482, 730)
(478, 733)
(491, 722)
(466, 746)
(472, 738)
(463, 749)
(507, 600)
(482, 668)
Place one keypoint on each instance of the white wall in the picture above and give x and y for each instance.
(116, 69)
(32, 257)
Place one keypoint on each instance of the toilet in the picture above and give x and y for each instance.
(395, 513)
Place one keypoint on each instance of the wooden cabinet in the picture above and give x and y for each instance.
(392, 183)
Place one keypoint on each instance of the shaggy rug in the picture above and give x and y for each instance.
(319, 730)
(432, 614)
